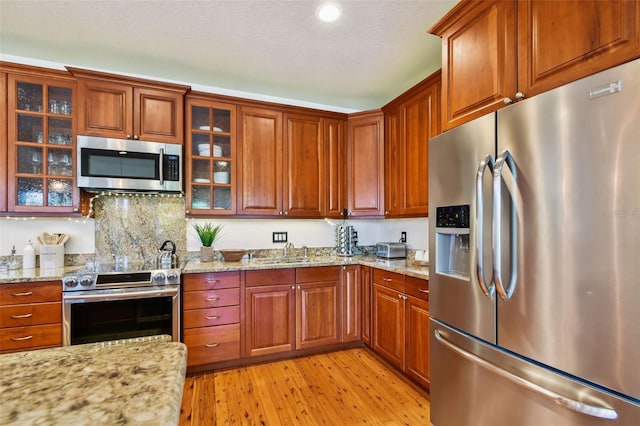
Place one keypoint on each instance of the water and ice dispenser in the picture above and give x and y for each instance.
(452, 251)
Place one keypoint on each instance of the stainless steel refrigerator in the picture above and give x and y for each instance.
(534, 241)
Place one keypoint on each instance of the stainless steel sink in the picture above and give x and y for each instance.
(281, 260)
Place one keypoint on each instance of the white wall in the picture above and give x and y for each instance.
(237, 233)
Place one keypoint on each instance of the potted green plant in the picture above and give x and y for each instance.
(208, 234)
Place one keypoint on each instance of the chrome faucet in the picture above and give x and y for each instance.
(305, 250)
(287, 247)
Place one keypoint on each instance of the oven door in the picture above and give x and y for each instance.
(124, 313)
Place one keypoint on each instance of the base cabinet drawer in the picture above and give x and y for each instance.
(212, 344)
(210, 317)
(22, 338)
(211, 298)
(32, 314)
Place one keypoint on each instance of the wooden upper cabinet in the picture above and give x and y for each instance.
(410, 121)
(3, 141)
(365, 164)
(111, 106)
(563, 41)
(260, 161)
(478, 59)
(335, 148)
(495, 52)
(303, 173)
(210, 156)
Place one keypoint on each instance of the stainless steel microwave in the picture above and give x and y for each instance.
(128, 165)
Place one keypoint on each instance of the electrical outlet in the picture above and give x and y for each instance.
(403, 237)
(280, 237)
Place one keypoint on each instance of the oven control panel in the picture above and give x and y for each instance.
(81, 281)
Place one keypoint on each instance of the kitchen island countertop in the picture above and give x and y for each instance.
(118, 382)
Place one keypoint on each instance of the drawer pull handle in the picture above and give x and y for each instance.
(211, 281)
(214, 317)
(387, 280)
(211, 345)
(423, 290)
(26, 293)
(20, 339)
(212, 299)
(21, 316)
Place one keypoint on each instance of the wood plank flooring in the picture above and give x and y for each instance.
(339, 388)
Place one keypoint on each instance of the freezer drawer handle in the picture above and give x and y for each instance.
(488, 290)
(580, 407)
(504, 293)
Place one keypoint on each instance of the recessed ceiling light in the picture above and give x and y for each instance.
(328, 12)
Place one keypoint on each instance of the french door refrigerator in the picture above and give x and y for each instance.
(534, 242)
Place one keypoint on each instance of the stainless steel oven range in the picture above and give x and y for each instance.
(108, 303)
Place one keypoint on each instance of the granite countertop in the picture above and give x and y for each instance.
(401, 266)
(136, 381)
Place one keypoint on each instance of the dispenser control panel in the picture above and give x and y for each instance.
(452, 216)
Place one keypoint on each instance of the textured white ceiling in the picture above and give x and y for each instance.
(377, 50)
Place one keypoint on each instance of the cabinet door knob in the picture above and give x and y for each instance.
(128, 136)
(136, 137)
(519, 95)
(507, 101)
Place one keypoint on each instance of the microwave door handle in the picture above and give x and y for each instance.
(161, 166)
(504, 293)
(487, 161)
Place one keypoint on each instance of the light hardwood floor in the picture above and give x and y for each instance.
(339, 388)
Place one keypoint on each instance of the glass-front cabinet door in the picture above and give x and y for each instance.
(41, 141)
(210, 150)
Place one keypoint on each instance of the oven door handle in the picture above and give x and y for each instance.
(170, 291)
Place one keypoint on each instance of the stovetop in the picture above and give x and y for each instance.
(117, 275)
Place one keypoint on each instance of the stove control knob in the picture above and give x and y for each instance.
(86, 281)
(172, 276)
(159, 277)
(71, 282)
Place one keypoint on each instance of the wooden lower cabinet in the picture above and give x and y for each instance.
(211, 317)
(30, 316)
(351, 303)
(317, 319)
(365, 286)
(269, 319)
(291, 309)
(401, 323)
(417, 340)
(388, 324)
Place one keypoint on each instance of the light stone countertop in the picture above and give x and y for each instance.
(401, 266)
(118, 382)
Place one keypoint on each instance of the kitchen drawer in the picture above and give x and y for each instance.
(270, 277)
(389, 279)
(417, 287)
(31, 314)
(213, 316)
(21, 338)
(20, 293)
(212, 344)
(317, 273)
(211, 298)
(211, 281)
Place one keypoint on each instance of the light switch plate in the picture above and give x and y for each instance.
(280, 237)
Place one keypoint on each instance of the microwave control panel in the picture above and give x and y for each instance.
(172, 167)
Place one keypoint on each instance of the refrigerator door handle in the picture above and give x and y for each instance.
(487, 161)
(572, 404)
(504, 293)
